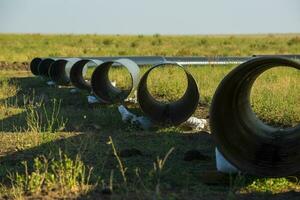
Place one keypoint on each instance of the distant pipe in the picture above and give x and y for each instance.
(289, 56)
(79, 69)
(76, 73)
(34, 64)
(59, 70)
(245, 141)
(41, 66)
(103, 88)
(173, 113)
(44, 67)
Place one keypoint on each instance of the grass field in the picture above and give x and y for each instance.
(54, 145)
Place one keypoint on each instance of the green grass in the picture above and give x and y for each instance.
(53, 144)
(26, 47)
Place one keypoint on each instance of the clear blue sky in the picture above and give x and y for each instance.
(150, 16)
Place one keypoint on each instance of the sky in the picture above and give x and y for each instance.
(150, 16)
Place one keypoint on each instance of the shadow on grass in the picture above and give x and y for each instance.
(96, 153)
(90, 129)
(74, 108)
(291, 195)
(180, 178)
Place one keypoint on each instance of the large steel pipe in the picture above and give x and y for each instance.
(103, 88)
(79, 69)
(245, 141)
(34, 64)
(173, 113)
(183, 60)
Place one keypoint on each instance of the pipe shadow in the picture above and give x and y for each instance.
(96, 153)
(91, 127)
(290, 195)
(74, 108)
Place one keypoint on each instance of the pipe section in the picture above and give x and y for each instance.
(173, 113)
(59, 70)
(103, 88)
(78, 72)
(244, 140)
(34, 64)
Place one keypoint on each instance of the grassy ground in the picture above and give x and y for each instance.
(26, 47)
(53, 144)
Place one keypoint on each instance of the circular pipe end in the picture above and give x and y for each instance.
(173, 113)
(34, 64)
(76, 75)
(103, 88)
(244, 140)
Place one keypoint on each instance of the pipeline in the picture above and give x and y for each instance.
(245, 141)
(269, 152)
(60, 72)
(34, 66)
(173, 113)
(183, 60)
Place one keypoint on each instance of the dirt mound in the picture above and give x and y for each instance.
(4, 65)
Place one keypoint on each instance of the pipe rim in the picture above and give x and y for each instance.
(34, 64)
(167, 114)
(102, 86)
(244, 140)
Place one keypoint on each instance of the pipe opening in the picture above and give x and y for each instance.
(245, 141)
(34, 64)
(119, 76)
(167, 83)
(102, 78)
(81, 72)
(171, 113)
(275, 97)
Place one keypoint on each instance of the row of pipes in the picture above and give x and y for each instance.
(245, 141)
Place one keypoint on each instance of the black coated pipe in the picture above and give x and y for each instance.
(77, 72)
(173, 113)
(34, 65)
(245, 141)
(103, 88)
